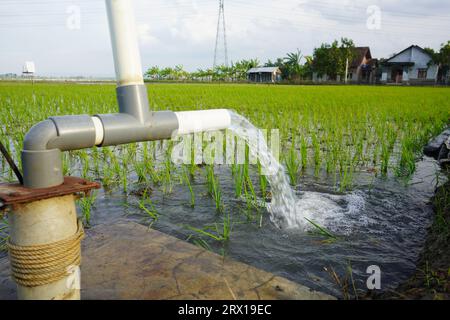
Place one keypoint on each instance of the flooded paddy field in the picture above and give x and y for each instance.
(352, 156)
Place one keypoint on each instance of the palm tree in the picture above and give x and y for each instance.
(293, 63)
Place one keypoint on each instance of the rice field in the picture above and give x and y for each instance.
(354, 138)
(340, 130)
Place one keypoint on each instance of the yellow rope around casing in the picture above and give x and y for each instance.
(37, 265)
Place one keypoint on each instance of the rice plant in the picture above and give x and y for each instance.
(86, 203)
(187, 180)
(146, 205)
(292, 164)
(4, 236)
(218, 231)
(214, 187)
(322, 231)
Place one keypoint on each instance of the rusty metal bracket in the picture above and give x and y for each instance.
(14, 193)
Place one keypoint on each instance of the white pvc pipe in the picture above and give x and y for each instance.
(124, 40)
(203, 120)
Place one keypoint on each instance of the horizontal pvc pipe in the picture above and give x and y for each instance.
(203, 120)
(124, 40)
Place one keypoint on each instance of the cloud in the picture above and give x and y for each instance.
(145, 36)
(183, 31)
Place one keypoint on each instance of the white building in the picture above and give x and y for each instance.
(264, 74)
(412, 65)
(29, 69)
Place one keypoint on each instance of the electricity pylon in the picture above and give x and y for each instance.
(220, 19)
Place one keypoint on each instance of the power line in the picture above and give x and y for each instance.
(221, 18)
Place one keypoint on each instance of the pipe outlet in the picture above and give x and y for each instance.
(202, 120)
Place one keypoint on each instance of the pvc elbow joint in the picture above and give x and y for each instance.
(43, 144)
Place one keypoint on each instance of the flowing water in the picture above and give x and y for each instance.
(283, 206)
(288, 210)
(382, 222)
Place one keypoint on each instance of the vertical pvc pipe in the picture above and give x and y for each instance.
(124, 39)
(43, 222)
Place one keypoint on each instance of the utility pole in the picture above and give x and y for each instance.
(221, 28)
(346, 71)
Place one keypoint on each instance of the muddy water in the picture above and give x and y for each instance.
(381, 222)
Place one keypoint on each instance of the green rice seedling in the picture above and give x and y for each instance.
(292, 164)
(85, 160)
(263, 183)
(238, 179)
(385, 157)
(167, 175)
(141, 171)
(124, 178)
(199, 243)
(146, 205)
(187, 180)
(107, 176)
(4, 236)
(218, 232)
(346, 178)
(442, 204)
(95, 156)
(66, 165)
(226, 227)
(407, 162)
(317, 156)
(322, 231)
(214, 187)
(86, 203)
(206, 231)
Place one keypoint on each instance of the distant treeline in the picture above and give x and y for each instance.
(328, 59)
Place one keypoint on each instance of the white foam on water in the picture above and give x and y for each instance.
(287, 210)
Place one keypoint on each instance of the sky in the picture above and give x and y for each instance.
(71, 38)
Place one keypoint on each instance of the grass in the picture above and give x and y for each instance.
(187, 180)
(218, 232)
(86, 204)
(146, 205)
(4, 236)
(292, 164)
(214, 187)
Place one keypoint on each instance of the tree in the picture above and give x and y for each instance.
(293, 64)
(440, 58)
(331, 59)
(307, 69)
(153, 73)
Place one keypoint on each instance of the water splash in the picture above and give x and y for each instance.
(286, 209)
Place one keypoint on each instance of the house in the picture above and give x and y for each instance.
(264, 74)
(361, 69)
(411, 66)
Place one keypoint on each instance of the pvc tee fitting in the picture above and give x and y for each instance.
(43, 144)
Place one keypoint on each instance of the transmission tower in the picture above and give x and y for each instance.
(220, 30)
